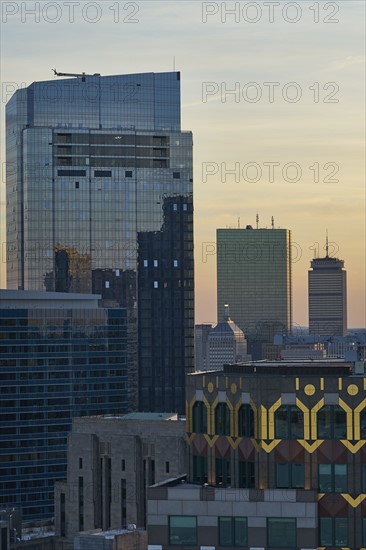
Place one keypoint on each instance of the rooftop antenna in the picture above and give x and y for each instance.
(173, 63)
(272, 222)
(239, 222)
(257, 219)
(326, 244)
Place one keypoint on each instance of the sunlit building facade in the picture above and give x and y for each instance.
(327, 297)
(254, 276)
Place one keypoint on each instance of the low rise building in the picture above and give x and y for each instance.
(277, 460)
(111, 462)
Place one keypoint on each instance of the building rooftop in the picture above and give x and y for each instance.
(23, 299)
(131, 416)
(288, 367)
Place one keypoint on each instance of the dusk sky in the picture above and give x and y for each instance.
(310, 121)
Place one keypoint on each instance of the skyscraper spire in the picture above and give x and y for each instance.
(326, 244)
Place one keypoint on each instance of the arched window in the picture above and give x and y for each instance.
(246, 421)
(222, 419)
(332, 422)
(199, 417)
(289, 423)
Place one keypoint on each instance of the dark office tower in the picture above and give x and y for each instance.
(166, 308)
(90, 161)
(61, 356)
(327, 297)
(254, 276)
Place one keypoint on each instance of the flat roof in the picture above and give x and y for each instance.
(132, 416)
(288, 367)
(23, 299)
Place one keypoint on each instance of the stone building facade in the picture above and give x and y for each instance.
(111, 462)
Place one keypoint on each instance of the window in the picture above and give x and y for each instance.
(123, 465)
(222, 419)
(331, 423)
(156, 284)
(175, 263)
(176, 175)
(333, 478)
(182, 530)
(76, 185)
(246, 421)
(128, 174)
(246, 474)
(363, 424)
(364, 531)
(146, 263)
(233, 531)
(199, 417)
(156, 263)
(199, 469)
(363, 475)
(333, 532)
(80, 463)
(281, 532)
(289, 423)
(223, 476)
(290, 475)
(167, 467)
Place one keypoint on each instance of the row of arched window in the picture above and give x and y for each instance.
(289, 421)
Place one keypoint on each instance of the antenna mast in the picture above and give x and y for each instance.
(257, 219)
(272, 222)
(326, 244)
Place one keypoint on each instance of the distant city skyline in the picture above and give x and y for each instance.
(322, 132)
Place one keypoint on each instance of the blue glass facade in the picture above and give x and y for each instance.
(90, 164)
(55, 364)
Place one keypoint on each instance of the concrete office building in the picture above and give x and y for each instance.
(254, 277)
(327, 297)
(277, 459)
(111, 462)
(61, 356)
(94, 163)
(227, 343)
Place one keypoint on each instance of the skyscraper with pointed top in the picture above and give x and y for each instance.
(327, 296)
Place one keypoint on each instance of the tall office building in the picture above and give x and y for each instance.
(327, 297)
(92, 165)
(254, 277)
(61, 356)
(201, 349)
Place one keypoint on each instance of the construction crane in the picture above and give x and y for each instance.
(77, 75)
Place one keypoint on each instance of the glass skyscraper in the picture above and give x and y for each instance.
(91, 162)
(254, 276)
(61, 356)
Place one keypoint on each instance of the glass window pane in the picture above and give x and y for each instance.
(325, 532)
(340, 428)
(340, 478)
(281, 423)
(225, 531)
(297, 476)
(325, 478)
(364, 531)
(324, 423)
(341, 531)
(297, 423)
(282, 476)
(281, 532)
(240, 531)
(183, 530)
(363, 478)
